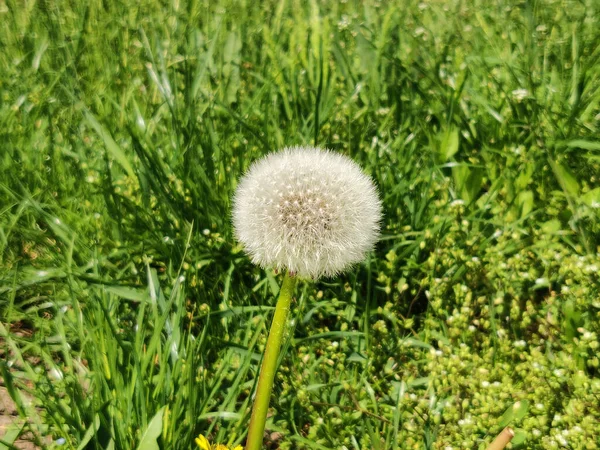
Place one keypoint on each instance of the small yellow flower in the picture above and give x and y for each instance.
(203, 444)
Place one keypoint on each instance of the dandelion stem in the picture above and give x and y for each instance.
(269, 365)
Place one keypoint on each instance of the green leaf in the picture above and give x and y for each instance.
(127, 293)
(7, 377)
(449, 144)
(585, 145)
(273, 284)
(565, 178)
(111, 146)
(524, 177)
(412, 342)
(525, 202)
(231, 66)
(592, 198)
(551, 226)
(572, 319)
(89, 433)
(520, 409)
(514, 413)
(10, 436)
(153, 431)
(468, 181)
(366, 53)
(519, 438)
(206, 65)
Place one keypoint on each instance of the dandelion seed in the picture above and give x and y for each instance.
(312, 212)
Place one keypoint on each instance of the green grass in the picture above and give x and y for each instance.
(128, 312)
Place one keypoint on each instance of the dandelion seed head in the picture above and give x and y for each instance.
(310, 211)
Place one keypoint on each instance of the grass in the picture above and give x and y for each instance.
(129, 316)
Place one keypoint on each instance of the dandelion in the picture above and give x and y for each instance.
(310, 211)
(203, 444)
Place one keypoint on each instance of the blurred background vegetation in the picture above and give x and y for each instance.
(129, 317)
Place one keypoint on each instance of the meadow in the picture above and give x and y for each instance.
(130, 318)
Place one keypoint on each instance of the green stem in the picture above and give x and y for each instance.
(269, 365)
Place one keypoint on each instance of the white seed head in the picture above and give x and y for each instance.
(310, 211)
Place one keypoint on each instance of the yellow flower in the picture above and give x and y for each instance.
(203, 444)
